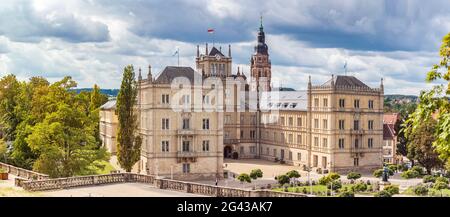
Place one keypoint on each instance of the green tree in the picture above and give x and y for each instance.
(434, 104)
(283, 179)
(256, 173)
(244, 177)
(3, 150)
(128, 142)
(9, 90)
(97, 99)
(293, 174)
(420, 146)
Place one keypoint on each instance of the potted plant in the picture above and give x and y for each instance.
(3, 174)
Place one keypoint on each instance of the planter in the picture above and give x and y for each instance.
(3, 176)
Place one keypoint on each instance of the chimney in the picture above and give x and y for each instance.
(229, 50)
(140, 75)
(198, 50)
(149, 75)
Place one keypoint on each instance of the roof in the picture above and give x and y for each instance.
(215, 52)
(171, 72)
(391, 118)
(284, 100)
(388, 132)
(345, 81)
(110, 105)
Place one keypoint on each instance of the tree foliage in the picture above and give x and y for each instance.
(128, 140)
(256, 173)
(435, 104)
(244, 177)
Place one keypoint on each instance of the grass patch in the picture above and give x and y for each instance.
(315, 188)
(431, 192)
(11, 192)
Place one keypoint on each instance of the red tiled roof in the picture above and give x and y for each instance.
(388, 132)
(391, 118)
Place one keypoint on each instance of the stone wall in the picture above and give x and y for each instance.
(23, 173)
(168, 184)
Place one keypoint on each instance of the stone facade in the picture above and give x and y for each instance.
(336, 126)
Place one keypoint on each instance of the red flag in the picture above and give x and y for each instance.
(210, 30)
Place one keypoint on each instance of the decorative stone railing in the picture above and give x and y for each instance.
(23, 173)
(168, 184)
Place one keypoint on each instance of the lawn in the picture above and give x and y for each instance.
(107, 168)
(11, 192)
(431, 192)
(315, 188)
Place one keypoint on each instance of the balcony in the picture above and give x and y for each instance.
(187, 156)
(357, 132)
(230, 141)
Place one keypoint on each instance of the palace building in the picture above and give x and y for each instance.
(190, 120)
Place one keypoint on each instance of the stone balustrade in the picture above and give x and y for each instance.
(168, 184)
(23, 173)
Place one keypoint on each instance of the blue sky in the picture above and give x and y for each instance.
(92, 40)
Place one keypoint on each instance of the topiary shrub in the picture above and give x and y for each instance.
(360, 187)
(392, 189)
(304, 191)
(244, 177)
(346, 194)
(325, 180)
(335, 184)
(442, 179)
(383, 193)
(409, 174)
(334, 176)
(256, 173)
(429, 179)
(378, 173)
(293, 174)
(353, 176)
(440, 185)
(283, 179)
(419, 169)
(420, 190)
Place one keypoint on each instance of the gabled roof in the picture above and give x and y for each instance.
(110, 105)
(388, 132)
(171, 72)
(215, 52)
(391, 118)
(345, 81)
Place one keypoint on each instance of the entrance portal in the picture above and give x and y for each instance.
(227, 152)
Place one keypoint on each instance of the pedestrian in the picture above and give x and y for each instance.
(217, 181)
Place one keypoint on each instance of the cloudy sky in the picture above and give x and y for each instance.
(92, 40)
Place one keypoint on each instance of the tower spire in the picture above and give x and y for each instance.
(261, 22)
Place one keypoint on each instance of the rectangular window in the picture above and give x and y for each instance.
(341, 103)
(282, 121)
(315, 160)
(252, 134)
(341, 143)
(291, 121)
(274, 152)
(165, 146)
(186, 168)
(267, 151)
(370, 104)
(290, 155)
(316, 102)
(325, 124)
(165, 124)
(299, 139)
(370, 143)
(370, 125)
(299, 156)
(356, 103)
(355, 162)
(186, 123)
(165, 99)
(205, 145)
(356, 124)
(341, 124)
(325, 102)
(253, 149)
(205, 124)
(316, 123)
(325, 142)
(299, 122)
(242, 134)
(291, 139)
(356, 143)
(316, 141)
(186, 146)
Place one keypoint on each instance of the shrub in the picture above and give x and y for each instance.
(304, 191)
(440, 185)
(297, 190)
(429, 179)
(383, 193)
(378, 173)
(421, 190)
(353, 175)
(325, 180)
(369, 188)
(334, 176)
(256, 173)
(346, 194)
(360, 187)
(392, 168)
(392, 189)
(293, 174)
(402, 167)
(442, 179)
(283, 179)
(419, 169)
(409, 174)
(244, 177)
(335, 184)
(2, 170)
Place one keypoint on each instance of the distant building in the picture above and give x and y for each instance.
(108, 126)
(390, 138)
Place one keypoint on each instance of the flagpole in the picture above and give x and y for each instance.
(178, 53)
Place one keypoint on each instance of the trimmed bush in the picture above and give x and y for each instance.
(429, 179)
(421, 190)
(360, 187)
(244, 177)
(256, 173)
(353, 175)
(336, 184)
(392, 189)
(293, 174)
(334, 176)
(410, 174)
(283, 179)
(440, 185)
(442, 179)
(383, 193)
(419, 169)
(378, 173)
(346, 194)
